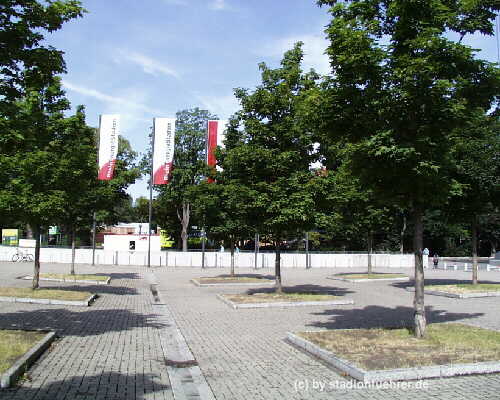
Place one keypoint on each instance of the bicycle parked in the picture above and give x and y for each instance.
(19, 256)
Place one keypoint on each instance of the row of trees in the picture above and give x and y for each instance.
(47, 159)
(406, 122)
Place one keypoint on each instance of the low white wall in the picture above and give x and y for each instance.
(215, 259)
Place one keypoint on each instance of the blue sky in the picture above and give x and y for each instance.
(151, 58)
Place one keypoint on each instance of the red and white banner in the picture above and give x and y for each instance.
(109, 131)
(163, 157)
(215, 137)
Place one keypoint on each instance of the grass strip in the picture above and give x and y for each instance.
(81, 277)
(52, 294)
(460, 288)
(232, 279)
(370, 276)
(278, 297)
(13, 344)
(382, 348)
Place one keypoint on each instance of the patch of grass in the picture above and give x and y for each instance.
(378, 349)
(231, 279)
(13, 344)
(370, 276)
(53, 294)
(465, 288)
(279, 297)
(81, 277)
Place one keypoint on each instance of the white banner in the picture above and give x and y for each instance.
(163, 157)
(109, 131)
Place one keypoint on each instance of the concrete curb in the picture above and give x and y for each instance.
(368, 279)
(83, 303)
(197, 283)
(284, 303)
(400, 374)
(24, 362)
(457, 295)
(106, 282)
(186, 378)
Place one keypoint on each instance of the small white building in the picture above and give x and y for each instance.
(117, 242)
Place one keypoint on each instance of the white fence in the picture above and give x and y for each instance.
(215, 259)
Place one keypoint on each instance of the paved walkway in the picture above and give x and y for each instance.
(110, 350)
(118, 348)
(243, 355)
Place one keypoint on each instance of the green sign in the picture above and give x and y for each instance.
(10, 237)
(53, 230)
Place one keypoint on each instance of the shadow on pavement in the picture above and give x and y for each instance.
(87, 322)
(108, 385)
(383, 317)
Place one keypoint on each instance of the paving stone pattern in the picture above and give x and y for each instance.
(243, 355)
(113, 350)
(110, 350)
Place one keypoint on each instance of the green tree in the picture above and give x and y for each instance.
(189, 166)
(477, 157)
(31, 110)
(27, 64)
(269, 150)
(74, 173)
(30, 189)
(399, 89)
(349, 209)
(224, 208)
(141, 209)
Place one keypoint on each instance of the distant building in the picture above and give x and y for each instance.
(130, 242)
(132, 228)
(137, 228)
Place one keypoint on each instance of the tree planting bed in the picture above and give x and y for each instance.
(237, 280)
(78, 278)
(46, 296)
(18, 350)
(383, 354)
(372, 277)
(297, 299)
(462, 290)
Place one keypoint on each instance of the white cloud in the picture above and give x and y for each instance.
(218, 5)
(148, 64)
(224, 106)
(110, 101)
(314, 51)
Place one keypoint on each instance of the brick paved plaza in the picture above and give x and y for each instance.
(115, 349)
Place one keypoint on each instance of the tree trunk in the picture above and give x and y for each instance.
(402, 235)
(493, 245)
(370, 247)
(29, 232)
(418, 303)
(277, 268)
(184, 223)
(231, 240)
(36, 270)
(73, 250)
(474, 249)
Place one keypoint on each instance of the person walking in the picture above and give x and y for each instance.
(435, 260)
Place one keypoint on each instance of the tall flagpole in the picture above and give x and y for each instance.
(93, 238)
(151, 193)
